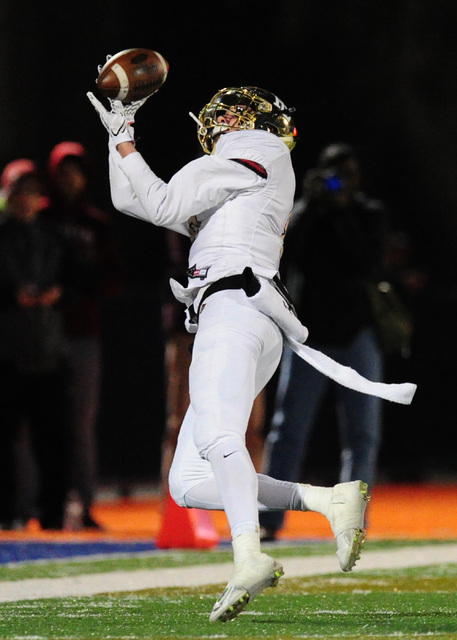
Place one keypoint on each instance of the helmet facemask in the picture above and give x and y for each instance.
(253, 107)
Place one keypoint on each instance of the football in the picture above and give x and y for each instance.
(132, 74)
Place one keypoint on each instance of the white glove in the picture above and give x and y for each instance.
(116, 121)
(120, 121)
(131, 108)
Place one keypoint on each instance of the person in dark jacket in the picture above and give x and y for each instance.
(90, 231)
(37, 280)
(334, 246)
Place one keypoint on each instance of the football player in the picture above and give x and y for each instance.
(234, 204)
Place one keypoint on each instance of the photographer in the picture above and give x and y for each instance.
(333, 247)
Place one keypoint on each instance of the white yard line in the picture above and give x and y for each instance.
(113, 581)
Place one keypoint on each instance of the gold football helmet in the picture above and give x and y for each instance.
(254, 108)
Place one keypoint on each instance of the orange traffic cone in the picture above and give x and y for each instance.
(186, 528)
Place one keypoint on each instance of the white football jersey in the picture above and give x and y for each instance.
(235, 212)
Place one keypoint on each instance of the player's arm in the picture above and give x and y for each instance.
(126, 148)
(200, 186)
(123, 196)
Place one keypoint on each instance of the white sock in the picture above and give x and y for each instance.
(246, 548)
(316, 498)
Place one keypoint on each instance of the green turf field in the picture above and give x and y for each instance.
(412, 603)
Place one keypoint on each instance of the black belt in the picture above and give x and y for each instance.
(246, 281)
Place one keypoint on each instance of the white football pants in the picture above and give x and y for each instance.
(236, 351)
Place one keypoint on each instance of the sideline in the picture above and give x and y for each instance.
(116, 581)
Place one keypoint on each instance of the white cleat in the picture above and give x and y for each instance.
(246, 582)
(346, 515)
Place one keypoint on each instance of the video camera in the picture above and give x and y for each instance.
(332, 181)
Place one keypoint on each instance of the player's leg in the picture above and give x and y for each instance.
(343, 505)
(193, 484)
(236, 351)
(198, 482)
(225, 378)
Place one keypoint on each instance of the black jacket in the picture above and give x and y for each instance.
(34, 254)
(329, 254)
(90, 233)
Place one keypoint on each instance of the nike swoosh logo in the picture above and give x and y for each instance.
(226, 455)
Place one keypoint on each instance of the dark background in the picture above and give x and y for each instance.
(381, 76)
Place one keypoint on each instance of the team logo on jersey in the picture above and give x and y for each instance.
(193, 272)
(193, 225)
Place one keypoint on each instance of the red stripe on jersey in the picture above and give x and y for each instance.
(254, 166)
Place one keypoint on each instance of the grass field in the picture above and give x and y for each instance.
(408, 603)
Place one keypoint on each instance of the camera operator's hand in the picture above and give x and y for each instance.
(49, 297)
(313, 183)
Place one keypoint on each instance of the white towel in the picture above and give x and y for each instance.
(402, 393)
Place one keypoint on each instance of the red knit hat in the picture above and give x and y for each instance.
(63, 150)
(15, 170)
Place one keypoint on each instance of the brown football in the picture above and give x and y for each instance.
(132, 74)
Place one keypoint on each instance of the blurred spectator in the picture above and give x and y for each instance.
(333, 247)
(36, 281)
(13, 170)
(92, 236)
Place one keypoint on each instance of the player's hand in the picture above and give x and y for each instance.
(100, 66)
(131, 108)
(117, 121)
